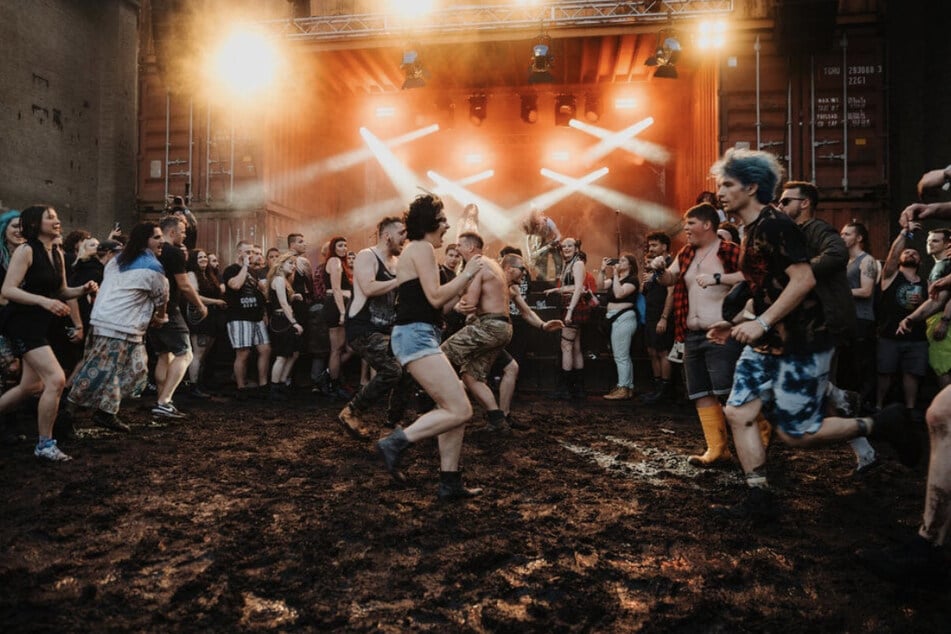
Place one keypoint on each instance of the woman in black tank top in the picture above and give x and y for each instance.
(339, 282)
(36, 290)
(416, 345)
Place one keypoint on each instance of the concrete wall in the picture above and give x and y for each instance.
(68, 108)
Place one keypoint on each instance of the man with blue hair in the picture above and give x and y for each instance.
(788, 344)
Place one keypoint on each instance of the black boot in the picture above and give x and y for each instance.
(451, 488)
(660, 394)
(498, 423)
(576, 385)
(561, 392)
(391, 450)
(275, 393)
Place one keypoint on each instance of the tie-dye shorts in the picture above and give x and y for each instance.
(794, 385)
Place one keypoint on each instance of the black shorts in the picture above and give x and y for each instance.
(658, 342)
(172, 336)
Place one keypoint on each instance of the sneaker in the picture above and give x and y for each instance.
(167, 410)
(847, 404)
(866, 465)
(50, 451)
(109, 421)
(352, 424)
(893, 425)
(917, 562)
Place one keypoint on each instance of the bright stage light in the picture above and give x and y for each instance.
(610, 141)
(403, 178)
(385, 112)
(494, 220)
(561, 156)
(411, 8)
(246, 62)
(625, 103)
(711, 34)
(346, 160)
(475, 178)
(473, 158)
(576, 183)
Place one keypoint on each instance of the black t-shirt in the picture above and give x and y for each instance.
(772, 243)
(245, 304)
(655, 296)
(173, 261)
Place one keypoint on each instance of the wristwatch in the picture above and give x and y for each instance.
(716, 278)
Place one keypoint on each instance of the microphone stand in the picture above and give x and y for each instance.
(617, 225)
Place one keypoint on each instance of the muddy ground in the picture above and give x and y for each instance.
(254, 516)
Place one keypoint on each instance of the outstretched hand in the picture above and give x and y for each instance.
(552, 325)
(719, 333)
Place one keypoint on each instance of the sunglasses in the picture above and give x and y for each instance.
(785, 201)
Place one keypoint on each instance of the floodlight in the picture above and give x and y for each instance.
(564, 109)
(666, 71)
(413, 69)
(539, 69)
(477, 109)
(529, 108)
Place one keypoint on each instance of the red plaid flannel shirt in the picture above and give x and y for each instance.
(729, 255)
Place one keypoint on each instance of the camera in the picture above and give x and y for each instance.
(612, 261)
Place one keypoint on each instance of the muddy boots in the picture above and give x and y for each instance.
(663, 391)
(576, 385)
(714, 430)
(391, 450)
(452, 489)
(561, 392)
(498, 423)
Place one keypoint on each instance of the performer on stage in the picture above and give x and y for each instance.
(542, 239)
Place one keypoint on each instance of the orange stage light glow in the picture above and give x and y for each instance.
(245, 63)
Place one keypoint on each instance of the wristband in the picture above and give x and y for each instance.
(716, 278)
(762, 322)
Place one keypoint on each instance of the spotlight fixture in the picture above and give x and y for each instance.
(564, 109)
(477, 108)
(413, 69)
(529, 108)
(665, 56)
(592, 107)
(539, 69)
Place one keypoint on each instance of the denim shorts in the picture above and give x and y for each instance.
(708, 366)
(795, 384)
(415, 341)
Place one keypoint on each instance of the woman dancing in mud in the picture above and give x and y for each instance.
(415, 341)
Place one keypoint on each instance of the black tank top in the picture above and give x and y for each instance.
(378, 313)
(44, 277)
(345, 283)
(412, 306)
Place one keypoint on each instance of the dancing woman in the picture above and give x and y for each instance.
(35, 287)
(415, 340)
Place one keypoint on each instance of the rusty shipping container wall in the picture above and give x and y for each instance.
(802, 107)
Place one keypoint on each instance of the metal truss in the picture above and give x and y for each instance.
(510, 16)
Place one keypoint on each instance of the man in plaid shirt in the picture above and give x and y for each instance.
(702, 274)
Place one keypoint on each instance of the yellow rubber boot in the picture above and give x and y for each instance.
(714, 430)
(765, 429)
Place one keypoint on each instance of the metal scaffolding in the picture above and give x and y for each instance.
(486, 18)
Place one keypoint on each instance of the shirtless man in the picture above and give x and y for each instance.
(474, 348)
(700, 284)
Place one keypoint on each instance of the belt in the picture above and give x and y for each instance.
(504, 318)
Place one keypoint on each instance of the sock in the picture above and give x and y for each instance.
(756, 479)
(864, 451)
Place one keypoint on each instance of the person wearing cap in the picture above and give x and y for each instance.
(191, 223)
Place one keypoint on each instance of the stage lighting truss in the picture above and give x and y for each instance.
(666, 55)
(412, 67)
(565, 108)
(477, 109)
(529, 108)
(539, 69)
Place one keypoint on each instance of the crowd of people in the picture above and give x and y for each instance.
(781, 324)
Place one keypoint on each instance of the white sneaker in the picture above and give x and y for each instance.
(167, 410)
(50, 451)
